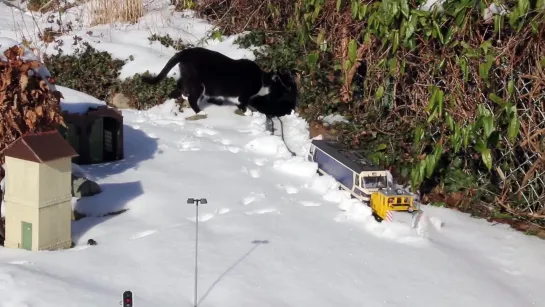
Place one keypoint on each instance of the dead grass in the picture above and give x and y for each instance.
(111, 11)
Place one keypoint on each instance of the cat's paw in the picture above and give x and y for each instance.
(197, 116)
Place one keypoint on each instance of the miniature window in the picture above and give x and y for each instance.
(357, 180)
(377, 182)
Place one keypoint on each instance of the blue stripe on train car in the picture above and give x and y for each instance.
(332, 167)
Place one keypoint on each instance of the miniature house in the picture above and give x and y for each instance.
(97, 135)
(38, 192)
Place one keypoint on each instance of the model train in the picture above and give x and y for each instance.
(363, 179)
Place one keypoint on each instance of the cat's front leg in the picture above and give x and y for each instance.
(242, 107)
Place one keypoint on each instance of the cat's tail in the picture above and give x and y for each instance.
(177, 58)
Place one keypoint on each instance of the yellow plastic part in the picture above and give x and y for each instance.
(388, 200)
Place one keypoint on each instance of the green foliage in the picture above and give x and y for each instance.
(96, 73)
(443, 89)
(87, 70)
(35, 5)
(457, 179)
(143, 95)
(439, 204)
(167, 41)
(185, 5)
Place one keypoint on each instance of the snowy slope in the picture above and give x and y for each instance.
(272, 234)
(267, 237)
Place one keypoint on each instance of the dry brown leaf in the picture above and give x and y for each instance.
(29, 124)
(24, 67)
(31, 115)
(24, 99)
(26, 103)
(23, 82)
(35, 64)
(6, 80)
(35, 94)
(11, 122)
(58, 95)
(39, 111)
(17, 63)
(43, 85)
(20, 51)
(14, 106)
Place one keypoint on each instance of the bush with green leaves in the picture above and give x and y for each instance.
(87, 70)
(168, 41)
(143, 95)
(424, 89)
(97, 73)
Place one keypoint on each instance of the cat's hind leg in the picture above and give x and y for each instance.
(195, 92)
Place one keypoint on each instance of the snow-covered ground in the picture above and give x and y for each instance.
(273, 233)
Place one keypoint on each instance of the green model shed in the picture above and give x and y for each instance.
(96, 135)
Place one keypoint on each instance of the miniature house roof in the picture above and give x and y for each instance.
(41, 147)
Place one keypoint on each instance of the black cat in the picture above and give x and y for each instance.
(208, 74)
(282, 99)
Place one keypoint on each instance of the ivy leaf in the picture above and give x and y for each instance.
(429, 162)
(381, 147)
(510, 87)
(418, 134)
(379, 93)
(513, 129)
(488, 124)
(493, 139)
(480, 147)
(496, 99)
(405, 8)
(352, 48)
(486, 155)
(362, 11)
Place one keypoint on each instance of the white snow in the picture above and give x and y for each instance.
(77, 102)
(431, 4)
(332, 119)
(296, 166)
(273, 233)
(494, 9)
(6, 43)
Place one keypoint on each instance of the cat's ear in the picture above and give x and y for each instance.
(275, 77)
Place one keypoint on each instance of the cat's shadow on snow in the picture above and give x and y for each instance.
(137, 147)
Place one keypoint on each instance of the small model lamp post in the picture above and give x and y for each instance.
(196, 202)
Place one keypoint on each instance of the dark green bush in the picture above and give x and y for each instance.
(87, 70)
(440, 98)
(144, 96)
(96, 73)
(168, 41)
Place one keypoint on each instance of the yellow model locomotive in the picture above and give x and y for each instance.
(364, 180)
